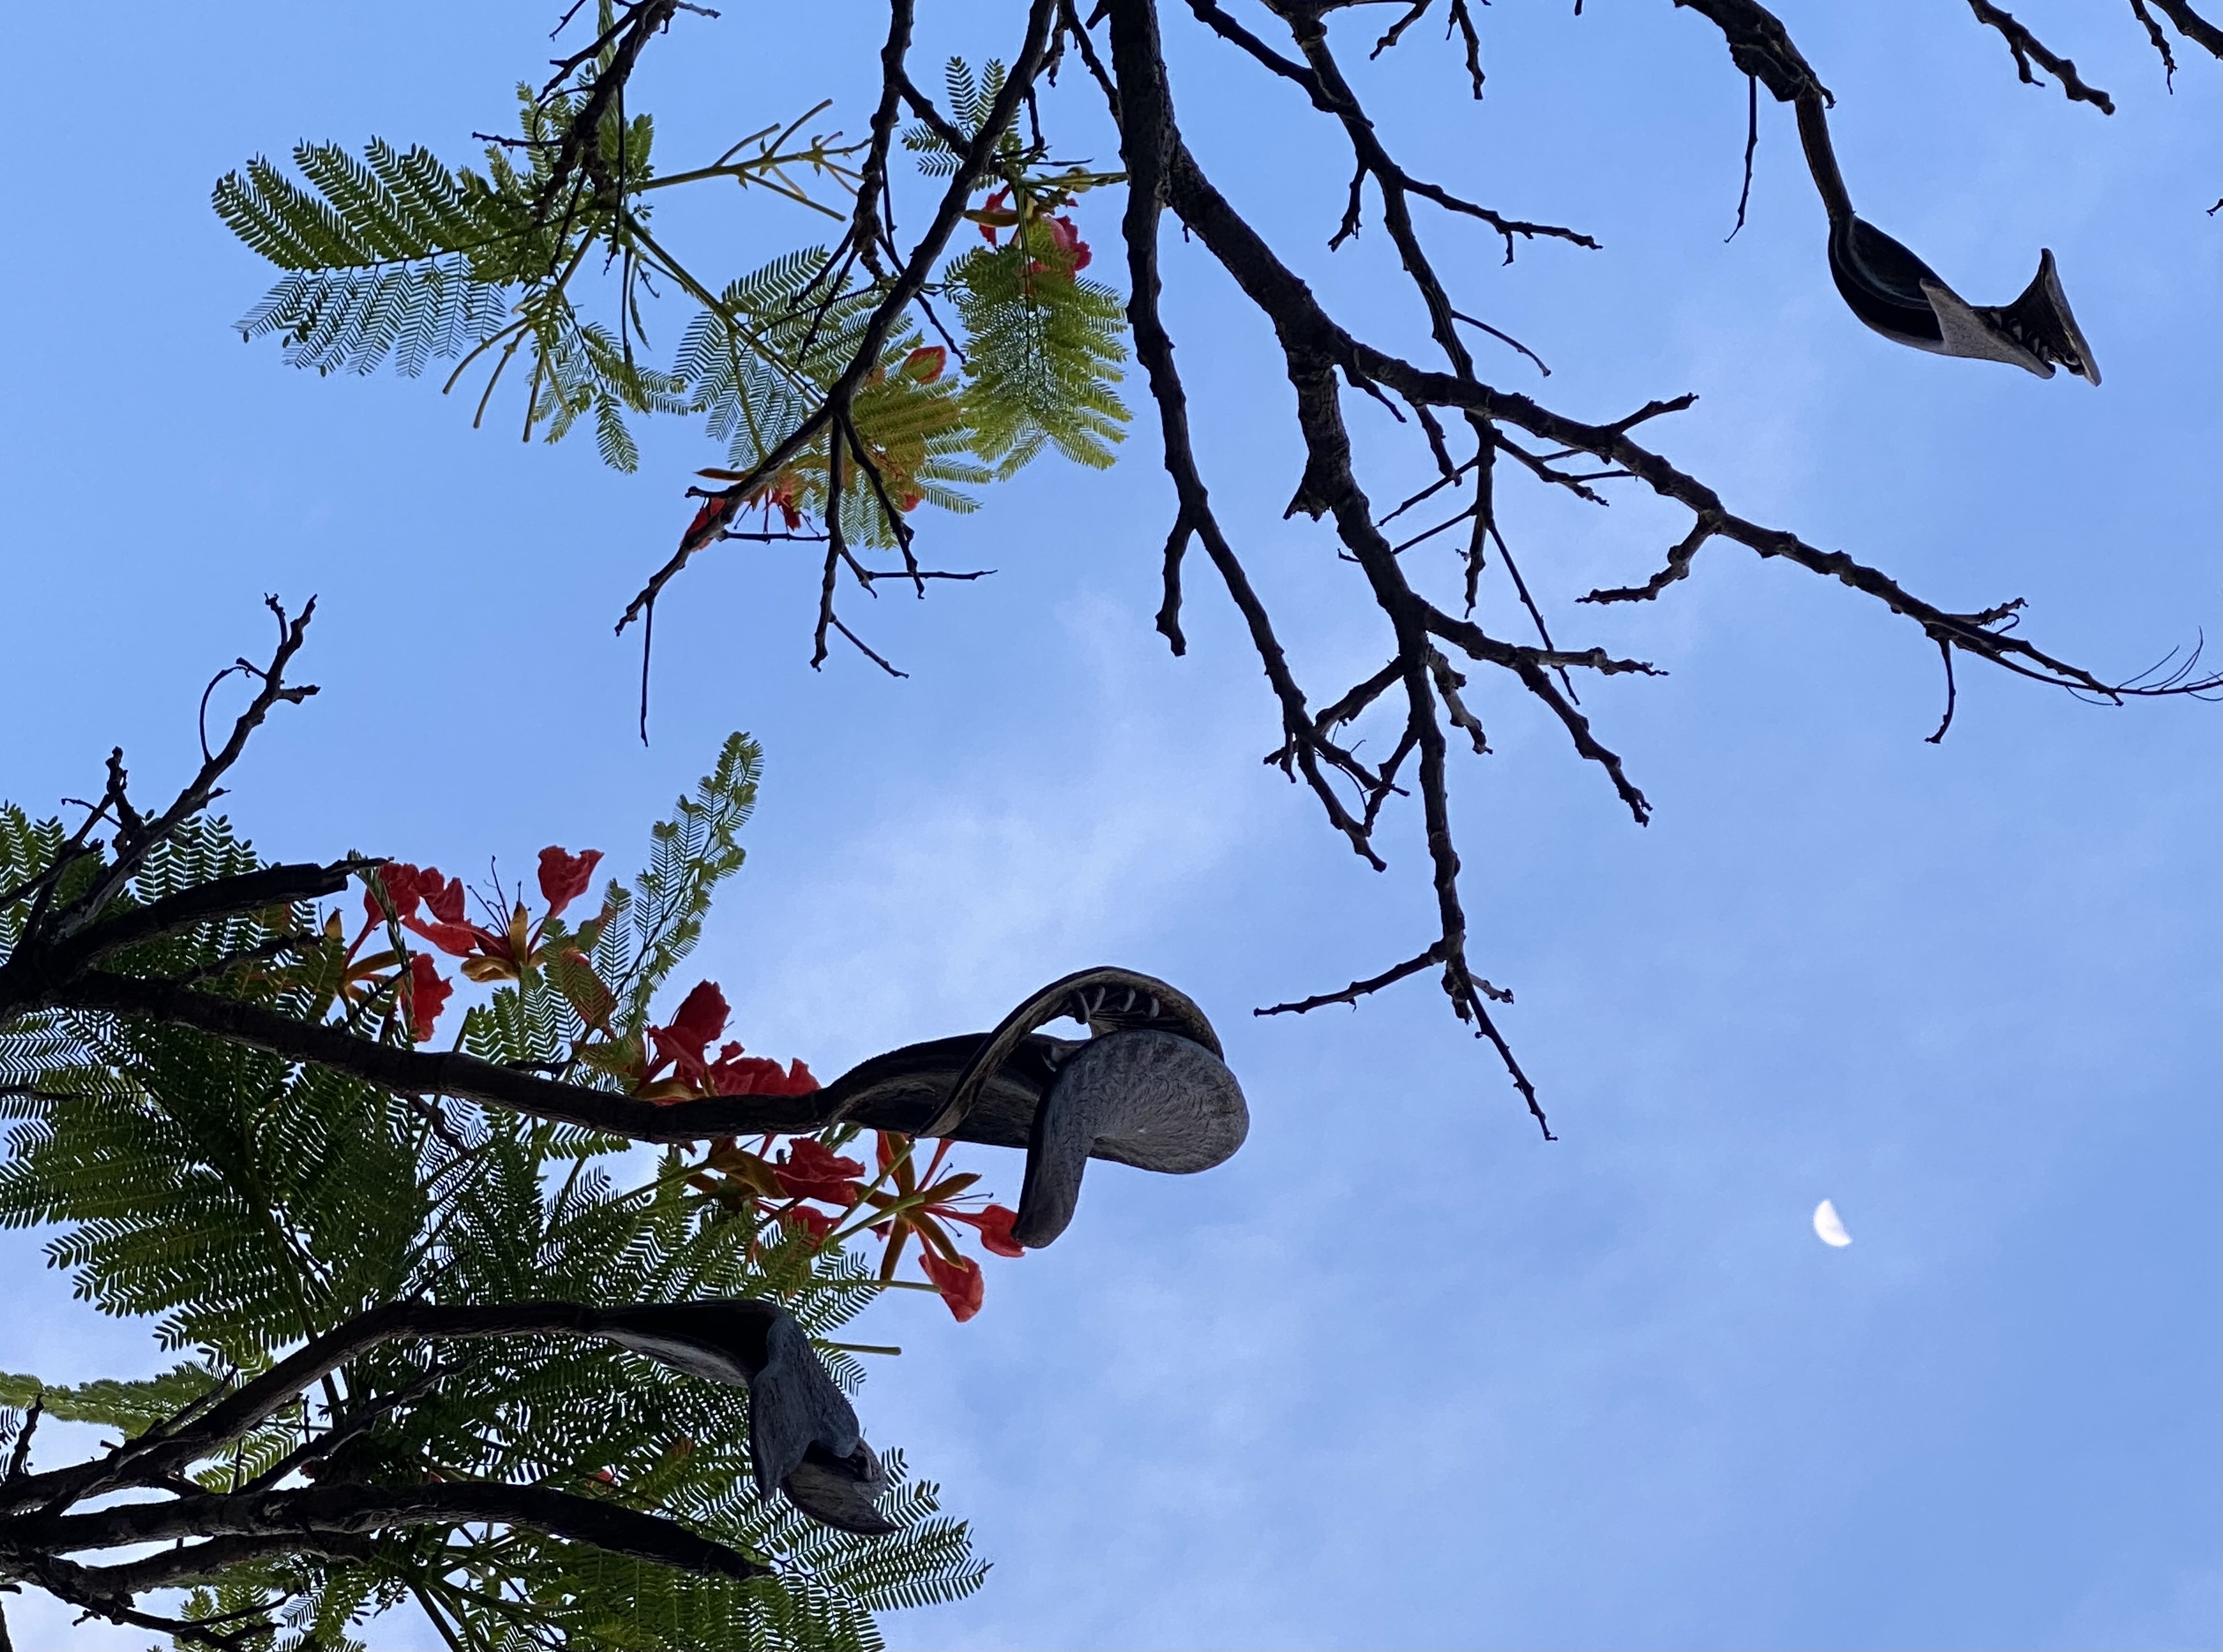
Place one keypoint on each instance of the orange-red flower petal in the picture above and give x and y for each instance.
(959, 1281)
(564, 876)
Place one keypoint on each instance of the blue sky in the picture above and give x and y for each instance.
(1400, 1374)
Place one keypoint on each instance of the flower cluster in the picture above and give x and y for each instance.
(423, 902)
(417, 990)
(802, 483)
(1055, 244)
(489, 953)
(806, 1189)
(813, 1192)
(676, 1064)
(671, 1063)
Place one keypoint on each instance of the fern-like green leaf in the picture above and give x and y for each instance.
(1046, 350)
(392, 254)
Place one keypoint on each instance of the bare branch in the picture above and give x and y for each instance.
(2194, 27)
(135, 837)
(1359, 989)
(973, 164)
(2027, 48)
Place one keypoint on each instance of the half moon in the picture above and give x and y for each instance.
(1828, 1227)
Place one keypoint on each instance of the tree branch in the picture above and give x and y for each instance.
(308, 1518)
(2027, 47)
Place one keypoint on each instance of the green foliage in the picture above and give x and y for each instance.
(692, 852)
(392, 253)
(130, 1406)
(238, 1197)
(246, 1204)
(211, 1186)
(26, 849)
(759, 363)
(751, 362)
(394, 256)
(971, 100)
(1042, 346)
(1045, 351)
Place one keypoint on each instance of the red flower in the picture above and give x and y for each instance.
(1068, 241)
(445, 899)
(565, 877)
(926, 363)
(425, 994)
(995, 204)
(810, 1169)
(509, 953)
(456, 940)
(817, 1223)
(404, 887)
(407, 885)
(418, 992)
(701, 1016)
(709, 522)
(995, 1229)
(735, 1073)
(916, 1201)
(682, 1045)
(682, 1041)
(782, 494)
(959, 1281)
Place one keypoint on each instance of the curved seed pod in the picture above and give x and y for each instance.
(1142, 1097)
(840, 1492)
(803, 1437)
(1965, 329)
(986, 1088)
(725, 1341)
(2042, 319)
(1883, 283)
(1109, 1000)
(1893, 291)
(796, 1412)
